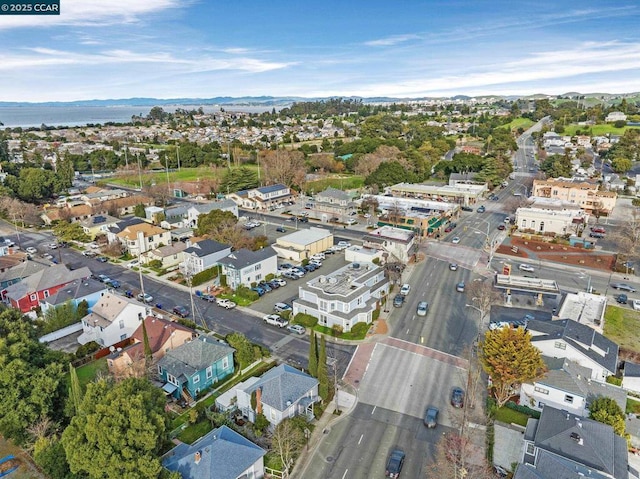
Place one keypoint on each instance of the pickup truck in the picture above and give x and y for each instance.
(275, 320)
(225, 303)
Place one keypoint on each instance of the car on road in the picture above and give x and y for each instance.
(296, 328)
(422, 309)
(53, 245)
(181, 311)
(103, 278)
(280, 307)
(453, 266)
(624, 287)
(225, 303)
(208, 297)
(114, 283)
(394, 464)
(406, 288)
(431, 417)
(455, 240)
(460, 287)
(527, 267)
(89, 254)
(275, 320)
(450, 227)
(495, 198)
(102, 259)
(598, 229)
(398, 301)
(457, 397)
(481, 209)
(145, 298)
(466, 208)
(502, 227)
(31, 250)
(596, 235)
(352, 221)
(622, 299)
(281, 229)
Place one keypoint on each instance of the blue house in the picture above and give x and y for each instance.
(194, 366)
(220, 454)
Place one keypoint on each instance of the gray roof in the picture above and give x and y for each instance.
(176, 212)
(283, 384)
(271, 188)
(331, 192)
(22, 270)
(243, 257)
(125, 223)
(204, 208)
(76, 290)
(551, 466)
(189, 358)
(599, 448)
(55, 275)
(581, 337)
(224, 454)
(205, 248)
(631, 370)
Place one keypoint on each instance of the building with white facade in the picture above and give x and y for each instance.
(194, 211)
(303, 243)
(344, 297)
(577, 191)
(261, 198)
(203, 255)
(244, 267)
(143, 237)
(397, 242)
(615, 116)
(461, 193)
(548, 216)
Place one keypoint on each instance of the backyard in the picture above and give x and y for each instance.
(622, 325)
(90, 371)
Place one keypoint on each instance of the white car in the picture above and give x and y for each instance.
(225, 303)
(318, 256)
(53, 245)
(455, 240)
(526, 267)
(280, 281)
(352, 221)
(94, 246)
(316, 262)
(31, 250)
(636, 304)
(405, 289)
(133, 264)
(367, 215)
(296, 328)
(275, 320)
(344, 244)
(146, 297)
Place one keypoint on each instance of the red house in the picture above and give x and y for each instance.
(27, 294)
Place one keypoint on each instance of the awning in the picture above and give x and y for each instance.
(169, 388)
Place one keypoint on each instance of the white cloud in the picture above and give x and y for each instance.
(93, 12)
(392, 40)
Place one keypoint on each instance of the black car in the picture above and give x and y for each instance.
(481, 209)
(466, 208)
(273, 284)
(181, 311)
(303, 219)
(624, 287)
(596, 235)
(622, 299)
(457, 397)
(431, 417)
(329, 251)
(310, 268)
(394, 464)
(208, 297)
(281, 229)
(398, 301)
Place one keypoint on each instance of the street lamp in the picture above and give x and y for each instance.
(582, 275)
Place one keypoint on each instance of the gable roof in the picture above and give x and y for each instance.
(281, 385)
(271, 188)
(159, 331)
(631, 370)
(194, 356)
(170, 249)
(122, 224)
(55, 275)
(243, 257)
(71, 212)
(205, 248)
(176, 211)
(131, 232)
(204, 208)
(581, 337)
(21, 270)
(224, 454)
(108, 308)
(98, 220)
(76, 290)
(596, 445)
(332, 192)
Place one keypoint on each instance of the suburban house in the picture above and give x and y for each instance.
(579, 192)
(28, 293)
(194, 366)
(615, 116)
(175, 217)
(112, 319)
(578, 342)
(631, 377)
(344, 297)
(333, 203)
(561, 444)
(124, 206)
(169, 255)
(567, 385)
(18, 269)
(219, 454)
(303, 243)
(71, 213)
(163, 335)
(548, 216)
(243, 267)
(280, 393)
(87, 289)
(202, 255)
(262, 198)
(102, 195)
(397, 242)
(194, 211)
(97, 225)
(140, 238)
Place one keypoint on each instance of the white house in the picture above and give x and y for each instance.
(261, 198)
(578, 342)
(196, 210)
(143, 237)
(343, 297)
(303, 243)
(547, 215)
(243, 267)
(615, 116)
(395, 241)
(113, 318)
(280, 393)
(631, 377)
(203, 255)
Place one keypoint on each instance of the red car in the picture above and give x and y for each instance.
(450, 228)
(598, 229)
(501, 227)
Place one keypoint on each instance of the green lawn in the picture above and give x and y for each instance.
(622, 326)
(520, 122)
(352, 182)
(89, 372)
(633, 406)
(597, 130)
(185, 174)
(193, 432)
(504, 414)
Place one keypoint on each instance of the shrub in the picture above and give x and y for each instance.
(155, 264)
(187, 323)
(204, 276)
(269, 277)
(247, 293)
(336, 330)
(376, 261)
(305, 320)
(376, 314)
(261, 424)
(87, 349)
(523, 409)
(614, 380)
(359, 329)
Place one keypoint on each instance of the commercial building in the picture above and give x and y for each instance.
(549, 216)
(578, 192)
(303, 243)
(397, 242)
(460, 193)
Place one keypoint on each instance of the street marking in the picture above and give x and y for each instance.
(361, 436)
(408, 331)
(345, 473)
(421, 339)
(373, 410)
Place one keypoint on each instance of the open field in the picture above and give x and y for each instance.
(597, 130)
(132, 179)
(622, 325)
(516, 123)
(342, 182)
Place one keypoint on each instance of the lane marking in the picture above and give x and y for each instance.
(374, 409)
(361, 436)
(408, 331)
(345, 473)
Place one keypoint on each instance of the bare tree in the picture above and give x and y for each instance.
(483, 295)
(371, 161)
(283, 166)
(452, 460)
(286, 441)
(395, 213)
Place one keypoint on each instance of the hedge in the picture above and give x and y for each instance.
(376, 314)
(523, 409)
(305, 320)
(204, 276)
(247, 293)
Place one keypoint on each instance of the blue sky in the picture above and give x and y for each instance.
(207, 48)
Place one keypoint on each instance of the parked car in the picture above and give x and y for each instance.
(352, 221)
(318, 256)
(598, 229)
(258, 290)
(394, 464)
(466, 208)
(280, 307)
(398, 301)
(316, 262)
(103, 278)
(102, 259)
(367, 215)
(310, 268)
(181, 311)
(290, 275)
(406, 288)
(145, 298)
(457, 397)
(453, 266)
(208, 297)
(275, 320)
(622, 299)
(460, 287)
(281, 282)
(273, 284)
(624, 287)
(31, 250)
(264, 285)
(133, 264)
(431, 417)
(285, 267)
(53, 245)
(502, 227)
(423, 308)
(114, 283)
(225, 303)
(281, 229)
(329, 251)
(527, 267)
(89, 254)
(596, 235)
(296, 328)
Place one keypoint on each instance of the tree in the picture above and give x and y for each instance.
(621, 165)
(510, 359)
(313, 354)
(286, 441)
(607, 411)
(75, 390)
(389, 173)
(35, 184)
(283, 166)
(215, 222)
(324, 388)
(148, 353)
(119, 431)
(483, 295)
(370, 162)
(139, 211)
(245, 351)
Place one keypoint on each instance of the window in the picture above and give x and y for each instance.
(209, 372)
(195, 378)
(258, 267)
(46, 293)
(159, 369)
(568, 398)
(33, 297)
(122, 324)
(172, 379)
(272, 414)
(541, 226)
(123, 337)
(225, 362)
(531, 449)
(541, 390)
(560, 345)
(524, 224)
(533, 224)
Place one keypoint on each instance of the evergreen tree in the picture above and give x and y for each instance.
(148, 354)
(313, 355)
(324, 389)
(76, 391)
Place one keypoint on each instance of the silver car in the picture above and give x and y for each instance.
(423, 308)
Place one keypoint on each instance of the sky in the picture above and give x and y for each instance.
(394, 48)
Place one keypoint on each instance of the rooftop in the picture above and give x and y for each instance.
(345, 280)
(306, 236)
(584, 308)
(430, 189)
(393, 234)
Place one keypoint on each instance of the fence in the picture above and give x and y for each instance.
(61, 333)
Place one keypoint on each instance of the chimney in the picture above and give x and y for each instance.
(259, 401)
(197, 457)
